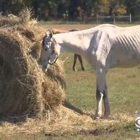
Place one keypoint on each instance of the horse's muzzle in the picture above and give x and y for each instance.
(45, 68)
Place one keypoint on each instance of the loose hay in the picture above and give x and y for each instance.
(67, 121)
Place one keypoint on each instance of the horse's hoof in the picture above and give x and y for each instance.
(106, 116)
(96, 117)
(83, 69)
(74, 69)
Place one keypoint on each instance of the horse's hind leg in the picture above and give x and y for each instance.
(81, 62)
(74, 62)
(99, 98)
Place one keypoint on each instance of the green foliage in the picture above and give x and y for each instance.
(71, 9)
(104, 7)
(119, 10)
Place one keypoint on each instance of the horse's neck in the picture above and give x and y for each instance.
(80, 42)
(73, 42)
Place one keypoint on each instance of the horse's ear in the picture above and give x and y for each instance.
(49, 34)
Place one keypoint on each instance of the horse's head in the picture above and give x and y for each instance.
(49, 52)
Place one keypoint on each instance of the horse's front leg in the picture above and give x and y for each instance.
(99, 99)
(106, 103)
(101, 93)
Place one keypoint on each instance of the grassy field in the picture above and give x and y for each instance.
(124, 93)
(124, 97)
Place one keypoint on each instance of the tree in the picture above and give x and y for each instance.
(103, 7)
(46, 9)
(117, 7)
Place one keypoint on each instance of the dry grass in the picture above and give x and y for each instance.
(62, 120)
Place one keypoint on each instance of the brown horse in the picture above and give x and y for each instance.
(76, 56)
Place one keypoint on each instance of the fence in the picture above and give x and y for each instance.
(112, 19)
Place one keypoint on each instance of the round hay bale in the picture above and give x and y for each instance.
(7, 21)
(24, 88)
(24, 18)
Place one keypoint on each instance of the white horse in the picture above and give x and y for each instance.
(104, 46)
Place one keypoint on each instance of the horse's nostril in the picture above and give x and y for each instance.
(46, 49)
(44, 68)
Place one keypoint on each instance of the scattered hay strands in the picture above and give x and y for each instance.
(68, 120)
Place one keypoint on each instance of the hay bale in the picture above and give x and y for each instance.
(24, 18)
(6, 21)
(24, 88)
